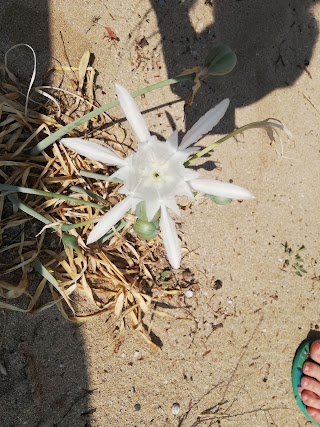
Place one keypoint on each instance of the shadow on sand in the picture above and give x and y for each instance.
(46, 383)
(273, 40)
(44, 355)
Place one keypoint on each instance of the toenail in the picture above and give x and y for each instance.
(306, 368)
(305, 382)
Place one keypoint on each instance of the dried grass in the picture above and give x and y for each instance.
(118, 277)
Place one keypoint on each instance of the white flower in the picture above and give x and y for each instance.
(156, 174)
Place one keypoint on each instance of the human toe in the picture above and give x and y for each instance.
(314, 414)
(315, 351)
(310, 399)
(312, 370)
(310, 384)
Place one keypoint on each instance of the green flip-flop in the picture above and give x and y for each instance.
(302, 354)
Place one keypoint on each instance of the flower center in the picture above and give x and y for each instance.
(154, 175)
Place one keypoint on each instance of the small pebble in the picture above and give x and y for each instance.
(136, 354)
(137, 407)
(217, 284)
(3, 370)
(188, 293)
(175, 408)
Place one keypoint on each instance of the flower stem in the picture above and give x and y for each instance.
(206, 150)
(66, 129)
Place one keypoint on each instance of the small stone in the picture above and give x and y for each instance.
(175, 408)
(217, 284)
(137, 407)
(188, 293)
(136, 354)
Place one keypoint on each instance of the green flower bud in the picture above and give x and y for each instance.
(220, 60)
(219, 200)
(71, 241)
(146, 230)
(141, 212)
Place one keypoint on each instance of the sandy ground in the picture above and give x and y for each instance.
(231, 366)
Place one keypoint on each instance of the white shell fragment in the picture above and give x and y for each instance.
(175, 408)
(188, 293)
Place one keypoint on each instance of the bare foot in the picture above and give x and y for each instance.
(310, 382)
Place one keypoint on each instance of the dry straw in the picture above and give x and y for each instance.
(50, 201)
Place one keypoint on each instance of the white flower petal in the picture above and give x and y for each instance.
(183, 189)
(93, 151)
(180, 156)
(110, 219)
(172, 141)
(132, 114)
(170, 202)
(221, 189)
(152, 207)
(189, 174)
(170, 238)
(205, 124)
(134, 202)
(123, 174)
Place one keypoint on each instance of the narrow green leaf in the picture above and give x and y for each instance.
(23, 207)
(68, 227)
(41, 269)
(48, 194)
(99, 176)
(42, 145)
(78, 189)
(110, 233)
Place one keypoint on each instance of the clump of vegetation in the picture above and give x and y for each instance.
(294, 260)
(51, 198)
